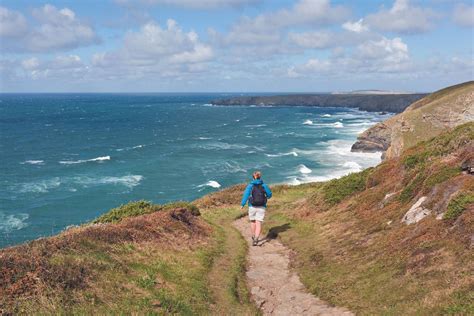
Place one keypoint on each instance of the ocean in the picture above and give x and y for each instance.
(67, 158)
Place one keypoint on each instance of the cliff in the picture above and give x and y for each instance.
(395, 103)
(422, 120)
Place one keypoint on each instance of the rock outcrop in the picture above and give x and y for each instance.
(422, 120)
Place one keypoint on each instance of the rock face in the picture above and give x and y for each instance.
(422, 120)
(416, 213)
(374, 139)
(395, 103)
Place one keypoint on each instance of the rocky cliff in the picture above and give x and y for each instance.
(395, 103)
(421, 121)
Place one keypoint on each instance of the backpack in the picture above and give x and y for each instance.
(259, 196)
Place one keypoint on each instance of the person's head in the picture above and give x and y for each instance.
(257, 175)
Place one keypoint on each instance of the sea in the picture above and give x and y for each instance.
(65, 159)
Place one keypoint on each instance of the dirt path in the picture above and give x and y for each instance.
(275, 289)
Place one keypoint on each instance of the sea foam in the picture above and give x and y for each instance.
(12, 222)
(98, 159)
(33, 162)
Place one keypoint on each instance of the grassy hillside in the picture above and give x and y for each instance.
(422, 120)
(351, 247)
(136, 259)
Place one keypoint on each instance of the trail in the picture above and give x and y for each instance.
(275, 289)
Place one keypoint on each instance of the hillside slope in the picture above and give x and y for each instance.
(136, 259)
(422, 120)
(395, 239)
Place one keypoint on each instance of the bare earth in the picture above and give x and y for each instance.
(275, 289)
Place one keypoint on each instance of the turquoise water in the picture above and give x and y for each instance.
(67, 158)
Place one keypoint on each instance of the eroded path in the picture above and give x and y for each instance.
(275, 289)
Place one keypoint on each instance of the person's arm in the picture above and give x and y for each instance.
(246, 195)
(267, 191)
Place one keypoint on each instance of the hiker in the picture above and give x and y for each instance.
(256, 194)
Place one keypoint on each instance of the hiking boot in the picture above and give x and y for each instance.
(254, 241)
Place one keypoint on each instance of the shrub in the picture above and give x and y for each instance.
(441, 175)
(137, 208)
(412, 161)
(338, 189)
(458, 204)
(127, 210)
(412, 188)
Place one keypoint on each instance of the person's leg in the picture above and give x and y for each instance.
(258, 228)
(252, 227)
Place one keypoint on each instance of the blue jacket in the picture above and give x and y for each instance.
(248, 191)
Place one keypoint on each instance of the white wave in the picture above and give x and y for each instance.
(211, 183)
(130, 148)
(33, 162)
(41, 186)
(222, 145)
(204, 138)
(303, 169)
(338, 125)
(291, 153)
(352, 165)
(98, 159)
(208, 104)
(326, 115)
(308, 122)
(129, 181)
(256, 125)
(12, 222)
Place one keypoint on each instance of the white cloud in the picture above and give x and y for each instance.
(163, 52)
(12, 23)
(153, 43)
(65, 67)
(463, 15)
(389, 50)
(403, 18)
(266, 27)
(57, 29)
(194, 4)
(357, 27)
(317, 39)
(373, 56)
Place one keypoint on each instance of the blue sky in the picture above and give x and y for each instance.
(234, 45)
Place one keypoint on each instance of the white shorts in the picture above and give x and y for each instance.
(256, 213)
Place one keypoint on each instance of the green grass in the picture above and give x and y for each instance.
(412, 188)
(137, 208)
(458, 205)
(338, 189)
(441, 175)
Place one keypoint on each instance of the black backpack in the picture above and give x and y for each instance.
(259, 196)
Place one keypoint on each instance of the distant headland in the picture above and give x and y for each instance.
(371, 102)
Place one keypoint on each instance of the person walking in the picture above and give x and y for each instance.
(256, 194)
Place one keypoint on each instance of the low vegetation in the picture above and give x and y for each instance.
(458, 205)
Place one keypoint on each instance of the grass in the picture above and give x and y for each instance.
(137, 208)
(338, 189)
(458, 205)
(227, 279)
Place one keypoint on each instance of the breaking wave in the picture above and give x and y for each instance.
(12, 222)
(33, 162)
(303, 169)
(98, 159)
(291, 153)
(211, 183)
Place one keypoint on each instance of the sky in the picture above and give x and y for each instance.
(234, 45)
